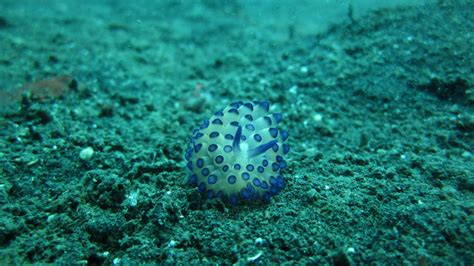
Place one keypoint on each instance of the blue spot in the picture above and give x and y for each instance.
(274, 190)
(282, 164)
(234, 123)
(212, 179)
(219, 159)
(212, 147)
(268, 119)
(197, 147)
(225, 168)
(273, 132)
(188, 156)
(233, 199)
(256, 182)
(264, 185)
(250, 127)
(275, 147)
(233, 111)
(257, 137)
(228, 148)
(229, 136)
(244, 193)
(278, 117)
(190, 165)
(273, 181)
(205, 171)
(214, 134)
(284, 135)
(279, 158)
(260, 169)
(265, 105)
(237, 166)
(286, 148)
(249, 106)
(198, 135)
(245, 176)
(275, 167)
(231, 179)
(249, 117)
(202, 187)
(192, 179)
(210, 194)
(250, 167)
(266, 196)
(265, 163)
(219, 113)
(236, 104)
(204, 125)
(200, 162)
(217, 121)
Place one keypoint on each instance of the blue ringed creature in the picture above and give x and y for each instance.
(238, 154)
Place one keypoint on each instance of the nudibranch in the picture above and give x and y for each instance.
(238, 154)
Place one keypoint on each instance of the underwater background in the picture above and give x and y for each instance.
(99, 101)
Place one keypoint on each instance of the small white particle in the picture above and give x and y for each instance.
(351, 250)
(86, 153)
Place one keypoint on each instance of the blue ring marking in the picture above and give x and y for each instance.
(219, 113)
(212, 179)
(249, 167)
(197, 147)
(260, 169)
(233, 199)
(268, 119)
(217, 121)
(275, 147)
(284, 135)
(237, 166)
(225, 168)
(265, 163)
(232, 179)
(273, 132)
(279, 158)
(282, 164)
(278, 117)
(236, 104)
(256, 182)
(250, 127)
(249, 117)
(214, 134)
(233, 111)
(192, 179)
(219, 159)
(190, 165)
(210, 194)
(205, 171)
(228, 148)
(198, 135)
(212, 147)
(265, 105)
(257, 137)
(245, 176)
(286, 148)
(249, 106)
(229, 136)
(275, 167)
(266, 196)
(202, 187)
(234, 123)
(200, 162)
(264, 185)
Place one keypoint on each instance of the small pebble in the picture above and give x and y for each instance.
(86, 154)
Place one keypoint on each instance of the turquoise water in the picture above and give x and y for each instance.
(101, 162)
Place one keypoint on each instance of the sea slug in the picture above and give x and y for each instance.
(238, 154)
